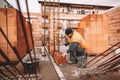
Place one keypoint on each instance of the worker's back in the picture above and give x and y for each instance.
(76, 37)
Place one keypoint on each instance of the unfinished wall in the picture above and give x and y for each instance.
(36, 20)
(113, 25)
(37, 31)
(11, 25)
(94, 29)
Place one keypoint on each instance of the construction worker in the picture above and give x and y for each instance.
(77, 48)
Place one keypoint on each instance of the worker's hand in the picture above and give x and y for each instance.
(64, 54)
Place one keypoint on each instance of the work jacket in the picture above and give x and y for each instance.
(76, 37)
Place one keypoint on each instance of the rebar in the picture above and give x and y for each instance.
(25, 35)
(9, 62)
(102, 53)
(103, 57)
(58, 24)
(44, 24)
(1, 72)
(109, 60)
(10, 72)
(2, 77)
(14, 50)
(4, 56)
(31, 33)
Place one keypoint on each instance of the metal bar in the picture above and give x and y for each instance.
(31, 33)
(58, 24)
(10, 72)
(103, 57)
(54, 27)
(44, 24)
(49, 29)
(116, 69)
(109, 60)
(8, 60)
(5, 57)
(110, 64)
(2, 77)
(102, 53)
(15, 50)
(30, 27)
(106, 65)
(4, 74)
(25, 35)
(18, 56)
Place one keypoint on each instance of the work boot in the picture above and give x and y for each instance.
(72, 62)
(79, 64)
(82, 62)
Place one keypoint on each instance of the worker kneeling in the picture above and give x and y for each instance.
(77, 48)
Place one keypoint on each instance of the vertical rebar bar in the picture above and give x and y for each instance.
(103, 57)
(58, 24)
(49, 28)
(25, 35)
(54, 27)
(44, 24)
(31, 33)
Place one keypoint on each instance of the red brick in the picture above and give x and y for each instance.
(14, 32)
(12, 56)
(2, 40)
(12, 22)
(11, 12)
(59, 59)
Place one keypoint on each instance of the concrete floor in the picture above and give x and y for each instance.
(47, 71)
(71, 72)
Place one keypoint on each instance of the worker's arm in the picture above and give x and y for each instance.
(72, 47)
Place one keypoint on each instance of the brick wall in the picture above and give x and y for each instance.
(36, 21)
(94, 30)
(11, 25)
(114, 25)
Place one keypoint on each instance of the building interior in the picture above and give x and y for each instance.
(33, 37)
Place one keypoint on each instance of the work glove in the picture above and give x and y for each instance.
(64, 54)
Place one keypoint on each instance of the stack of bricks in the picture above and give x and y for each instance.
(59, 59)
(11, 25)
(114, 25)
(94, 29)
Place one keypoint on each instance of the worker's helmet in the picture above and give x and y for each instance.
(68, 31)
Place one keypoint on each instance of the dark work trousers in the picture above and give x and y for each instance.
(79, 55)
